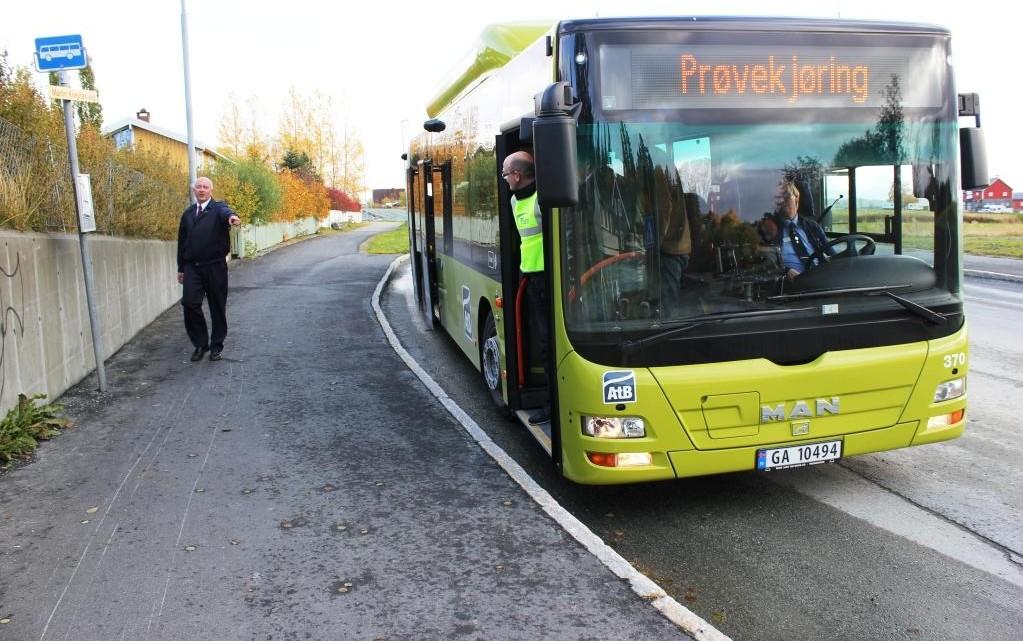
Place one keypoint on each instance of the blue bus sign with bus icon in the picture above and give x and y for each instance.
(58, 53)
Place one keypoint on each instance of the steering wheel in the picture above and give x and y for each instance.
(850, 250)
(595, 269)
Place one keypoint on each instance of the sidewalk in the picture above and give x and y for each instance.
(307, 486)
(990, 268)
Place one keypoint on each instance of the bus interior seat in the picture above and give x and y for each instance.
(807, 204)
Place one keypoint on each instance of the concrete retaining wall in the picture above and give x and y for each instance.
(45, 333)
(340, 217)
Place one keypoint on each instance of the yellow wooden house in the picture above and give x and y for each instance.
(139, 133)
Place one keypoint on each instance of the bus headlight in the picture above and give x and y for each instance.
(949, 390)
(614, 426)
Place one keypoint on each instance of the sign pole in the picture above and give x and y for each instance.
(188, 101)
(72, 152)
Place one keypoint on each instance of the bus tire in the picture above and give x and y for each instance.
(490, 362)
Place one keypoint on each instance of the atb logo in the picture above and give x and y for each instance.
(619, 387)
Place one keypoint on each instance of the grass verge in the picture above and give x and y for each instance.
(390, 242)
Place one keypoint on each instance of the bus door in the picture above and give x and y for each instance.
(532, 381)
(527, 386)
(439, 227)
(415, 222)
(508, 251)
(428, 262)
(442, 192)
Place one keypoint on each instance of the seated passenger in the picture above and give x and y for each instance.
(799, 236)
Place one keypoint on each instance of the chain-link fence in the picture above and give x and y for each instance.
(36, 192)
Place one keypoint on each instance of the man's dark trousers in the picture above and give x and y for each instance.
(537, 311)
(210, 281)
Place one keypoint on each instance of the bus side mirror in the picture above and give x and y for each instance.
(554, 147)
(434, 125)
(526, 130)
(972, 150)
(973, 158)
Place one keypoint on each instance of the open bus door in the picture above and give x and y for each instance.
(506, 143)
(532, 381)
(425, 249)
(414, 223)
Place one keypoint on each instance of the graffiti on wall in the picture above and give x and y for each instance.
(11, 321)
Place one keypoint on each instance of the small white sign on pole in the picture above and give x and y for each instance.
(86, 214)
(58, 92)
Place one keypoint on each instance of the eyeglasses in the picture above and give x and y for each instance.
(505, 174)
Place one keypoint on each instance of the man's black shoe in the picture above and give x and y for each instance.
(215, 355)
(539, 416)
(198, 354)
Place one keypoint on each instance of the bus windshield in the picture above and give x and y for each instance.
(784, 174)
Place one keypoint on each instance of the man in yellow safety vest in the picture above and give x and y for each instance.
(518, 172)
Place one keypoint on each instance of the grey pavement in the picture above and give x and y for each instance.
(305, 487)
(992, 268)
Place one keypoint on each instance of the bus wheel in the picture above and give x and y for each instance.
(490, 361)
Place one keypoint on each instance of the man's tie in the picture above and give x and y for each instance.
(198, 209)
(797, 244)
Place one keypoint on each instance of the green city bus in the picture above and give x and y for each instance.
(680, 344)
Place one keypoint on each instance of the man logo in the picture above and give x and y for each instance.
(619, 387)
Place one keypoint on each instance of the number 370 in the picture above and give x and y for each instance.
(955, 360)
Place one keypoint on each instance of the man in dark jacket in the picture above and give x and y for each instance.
(800, 237)
(203, 245)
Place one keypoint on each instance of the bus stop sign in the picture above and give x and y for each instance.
(58, 53)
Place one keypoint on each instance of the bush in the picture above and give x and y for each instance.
(250, 188)
(26, 424)
(341, 201)
(134, 193)
(301, 199)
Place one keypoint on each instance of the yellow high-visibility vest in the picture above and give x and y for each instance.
(528, 220)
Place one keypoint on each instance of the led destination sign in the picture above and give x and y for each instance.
(774, 76)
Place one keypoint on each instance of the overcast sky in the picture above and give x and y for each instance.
(381, 60)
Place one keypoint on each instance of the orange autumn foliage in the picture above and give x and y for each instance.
(300, 199)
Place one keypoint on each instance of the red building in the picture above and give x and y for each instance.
(997, 196)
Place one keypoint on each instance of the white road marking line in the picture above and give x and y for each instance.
(92, 537)
(649, 591)
(861, 498)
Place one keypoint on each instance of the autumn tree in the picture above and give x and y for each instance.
(307, 125)
(299, 163)
(350, 172)
(231, 131)
(250, 187)
(6, 73)
(300, 199)
(240, 133)
(341, 201)
(90, 114)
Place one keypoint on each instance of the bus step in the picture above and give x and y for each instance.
(541, 432)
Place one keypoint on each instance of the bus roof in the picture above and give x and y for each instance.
(754, 23)
(496, 45)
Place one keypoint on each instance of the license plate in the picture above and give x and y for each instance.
(798, 455)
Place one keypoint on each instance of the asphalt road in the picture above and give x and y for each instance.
(922, 543)
(305, 487)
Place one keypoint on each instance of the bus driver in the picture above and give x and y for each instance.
(800, 237)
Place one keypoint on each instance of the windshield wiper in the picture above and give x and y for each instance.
(840, 291)
(925, 313)
(630, 347)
